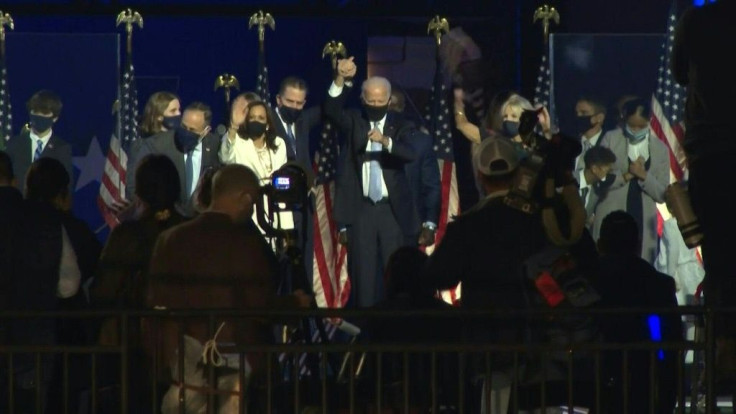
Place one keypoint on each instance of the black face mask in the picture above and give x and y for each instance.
(510, 129)
(171, 122)
(289, 115)
(583, 123)
(375, 113)
(254, 129)
(41, 123)
(185, 139)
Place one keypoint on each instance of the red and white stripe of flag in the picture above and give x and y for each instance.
(112, 191)
(330, 282)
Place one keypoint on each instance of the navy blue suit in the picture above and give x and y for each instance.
(424, 179)
(375, 230)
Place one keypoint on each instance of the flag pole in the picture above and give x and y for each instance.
(546, 13)
(261, 20)
(226, 82)
(5, 20)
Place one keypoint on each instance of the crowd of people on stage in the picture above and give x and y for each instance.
(190, 238)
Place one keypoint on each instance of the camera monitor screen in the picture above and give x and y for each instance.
(281, 183)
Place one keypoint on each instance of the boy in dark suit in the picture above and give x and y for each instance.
(39, 139)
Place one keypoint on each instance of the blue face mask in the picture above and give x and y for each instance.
(637, 136)
(185, 139)
(510, 129)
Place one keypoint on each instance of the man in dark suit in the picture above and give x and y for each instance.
(424, 177)
(192, 148)
(373, 199)
(294, 122)
(39, 141)
(10, 209)
(595, 178)
(627, 281)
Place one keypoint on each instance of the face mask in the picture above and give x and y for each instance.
(375, 113)
(171, 122)
(255, 129)
(510, 129)
(289, 115)
(41, 123)
(637, 136)
(583, 123)
(185, 139)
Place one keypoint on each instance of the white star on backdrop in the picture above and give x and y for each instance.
(91, 165)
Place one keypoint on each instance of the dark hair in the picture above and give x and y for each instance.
(599, 155)
(157, 182)
(597, 104)
(398, 101)
(155, 108)
(633, 106)
(271, 131)
(294, 82)
(45, 101)
(619, 234)
(6, 167)
(404, 273)
(201, 106)
(248, 96)
(47, 179)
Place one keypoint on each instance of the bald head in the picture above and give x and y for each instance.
(234, 189)
(376, 91)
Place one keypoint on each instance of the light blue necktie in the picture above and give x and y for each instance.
(375, 192)
(39, 150)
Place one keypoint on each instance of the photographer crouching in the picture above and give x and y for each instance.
(531, 206)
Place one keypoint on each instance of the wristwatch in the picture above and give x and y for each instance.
(429, 226)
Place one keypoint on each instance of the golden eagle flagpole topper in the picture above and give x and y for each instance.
(5, 20)
(546, 13)
(227, 81)
(261, 20)
(129, 18)
(334, 49)
(438, 26)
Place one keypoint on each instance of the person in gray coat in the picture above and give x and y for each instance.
(642, 174)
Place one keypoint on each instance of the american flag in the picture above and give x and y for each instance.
(438, 124)
(6, 118)
(544, 91)
(262, 80)
(330, 282)
(112, 190)
(668, 104)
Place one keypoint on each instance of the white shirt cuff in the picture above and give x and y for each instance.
(390, 144)
(335, 90)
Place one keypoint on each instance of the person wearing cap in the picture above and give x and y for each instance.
(484, 249)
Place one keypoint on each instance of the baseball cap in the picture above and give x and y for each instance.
(496, 156)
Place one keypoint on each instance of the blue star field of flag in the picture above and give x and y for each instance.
(6, 118)
(669, 93)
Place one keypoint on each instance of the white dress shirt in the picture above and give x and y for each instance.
(640, 149)
(334, 92)
(287, 127)
(34, 141)
(196, 164)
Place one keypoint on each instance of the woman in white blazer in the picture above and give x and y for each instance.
(257, 147)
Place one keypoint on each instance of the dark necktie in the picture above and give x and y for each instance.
(292, 140)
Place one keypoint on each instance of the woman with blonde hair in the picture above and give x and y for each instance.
(162, 113)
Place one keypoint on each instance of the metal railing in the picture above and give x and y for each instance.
(356, 375)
